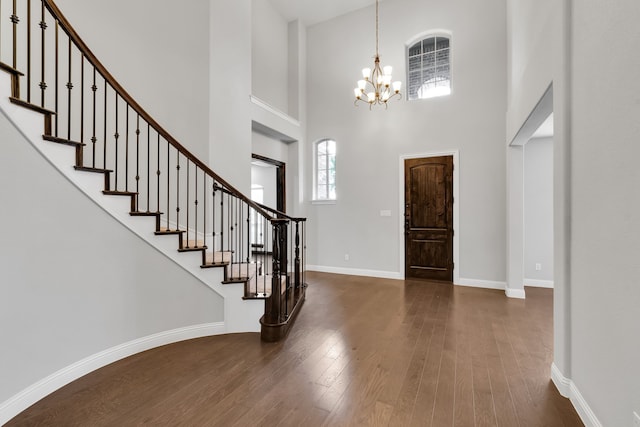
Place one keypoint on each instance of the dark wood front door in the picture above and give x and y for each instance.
(429, 218)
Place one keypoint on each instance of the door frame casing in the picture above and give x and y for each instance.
(456, 204)
(281, 180)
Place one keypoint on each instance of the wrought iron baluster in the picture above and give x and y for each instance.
(230, 224)
(80, 150)
(249, 234)
(158, 173)
(57, 72)
(28, 51)
(116, 137)
(148, 167)
(168, 187)
(222, 221)
(138, 162)
(213, 220)
(196, 205)
(126, 157)
(14, 21)
(104, 129)
(94, 89)
(177, 189)
(204, 207)
(43, 28)
(188, 207)
(82, 98)
(239, 215)
(69, 88)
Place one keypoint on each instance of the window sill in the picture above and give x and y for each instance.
(323, 202)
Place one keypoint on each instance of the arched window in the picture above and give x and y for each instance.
(325, 170)
(429, 69)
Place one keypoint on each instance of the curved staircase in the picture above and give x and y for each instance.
(133, 168)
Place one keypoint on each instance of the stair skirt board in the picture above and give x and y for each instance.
(21, 401)
(240, 315)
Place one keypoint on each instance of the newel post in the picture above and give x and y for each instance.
(273, 309)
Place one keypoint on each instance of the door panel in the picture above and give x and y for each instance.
(429, 218)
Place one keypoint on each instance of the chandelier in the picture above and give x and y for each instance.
(376, 88)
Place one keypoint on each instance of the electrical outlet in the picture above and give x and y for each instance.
(636, 420)
(538, 266)
(346, 257)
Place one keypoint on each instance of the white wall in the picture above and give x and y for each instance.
(74, 281)
(370, 143)
(269, 147)
(229, 109)
(596, 234)
(159, 57)
(269, 55)
(538, 51)
(538, 210)
(606, 206)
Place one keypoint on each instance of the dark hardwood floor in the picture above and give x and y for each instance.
(363, 351)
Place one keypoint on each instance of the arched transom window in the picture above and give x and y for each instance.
(429, 69)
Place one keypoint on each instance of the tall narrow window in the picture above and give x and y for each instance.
(325, 170)
(429, 68)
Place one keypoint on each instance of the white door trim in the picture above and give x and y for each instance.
(456, 206)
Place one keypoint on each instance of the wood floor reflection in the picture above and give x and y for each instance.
(363, 351)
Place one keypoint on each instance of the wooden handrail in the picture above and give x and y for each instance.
(66, 26)
(281, 214)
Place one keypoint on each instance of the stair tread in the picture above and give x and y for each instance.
(166, 231)
(142, 213)
(58, 140)
(262, 296)
(119, 193)
(10, 69)
(214, 265)
(236, 280)
(30, 106)
(91, 169)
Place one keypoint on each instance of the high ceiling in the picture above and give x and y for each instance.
(313, 11)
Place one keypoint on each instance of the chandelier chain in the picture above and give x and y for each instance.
(377, 26)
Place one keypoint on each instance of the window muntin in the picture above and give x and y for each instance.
(325, 170)
(429, 68)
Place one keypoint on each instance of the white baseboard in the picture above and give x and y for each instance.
(475, 283)
(356, 272)
(568, 389)
(64, 376)
(487, 284)
(515, 293)
(539, 283)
